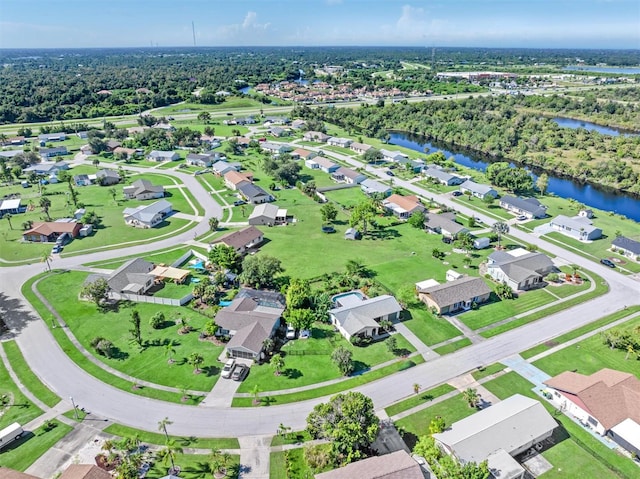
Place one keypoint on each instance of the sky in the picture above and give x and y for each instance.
(456, 23)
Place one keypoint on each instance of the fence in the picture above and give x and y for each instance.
(186, 256)
(137, 298)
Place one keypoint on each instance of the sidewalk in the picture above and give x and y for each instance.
(425, 351)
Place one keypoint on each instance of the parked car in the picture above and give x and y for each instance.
(608, 262)
(456, 193)
(239, 202)
(240, 372)
(521, 218)
(304, 334)
(390, 173)
(57, 249)
(447, 240)
(228, 368)
(291, 332)
(63, 239)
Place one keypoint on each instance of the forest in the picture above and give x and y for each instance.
(514, 127)
(45, 85)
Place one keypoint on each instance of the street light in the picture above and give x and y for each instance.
(75, 409)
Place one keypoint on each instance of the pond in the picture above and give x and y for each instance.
(606, 200)
(605, 130)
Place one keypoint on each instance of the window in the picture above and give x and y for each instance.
(592, 421)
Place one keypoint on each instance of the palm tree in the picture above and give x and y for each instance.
(500, 228)
(162, 427)
(195, 359)
(218, 462)
(46, 258)
(169, 350)
(268, 345)
(213, 223)
(471, 396)
(8, 217)
(45, 204)
(630, 350)
(277, 362)
(113, 193)
(255, 391)
(168, 455)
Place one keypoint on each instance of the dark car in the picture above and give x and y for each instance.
(240, 372)
(239, 202)
(390, 173)
(447, 240)
(607, 262)
(456, 193)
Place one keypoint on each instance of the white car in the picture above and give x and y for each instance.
(228, 368)
(291, 332)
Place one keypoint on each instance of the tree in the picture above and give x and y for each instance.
(157, 320)
(225, 257)
(298, 293)
(46, 258)
(489, 200)
(372, 155)
(329, 213)
(268, 345)
(341, 356)
(300, 318)
(464, 241)
(504, 291)
(542, 183)
(416, 220)
(135, 332)
(392, 344)
(162, 427)
(500, 228)
(113, 192)
(91, 218)
(348, 421)
(277, 363)
(363, 213)
(255, 392)
(204, 116)
(45, 204)
(437, 425)
(169, 350)
(8, 217)
(168, 454)
(97, 291)
(471, 397)
(219, 462)
(259, 271)
(214, 223)
(195, 360)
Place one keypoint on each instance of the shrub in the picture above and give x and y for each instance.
(157, 320)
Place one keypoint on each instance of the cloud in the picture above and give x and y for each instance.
(250, 22)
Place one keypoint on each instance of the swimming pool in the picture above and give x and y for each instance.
(348, 299)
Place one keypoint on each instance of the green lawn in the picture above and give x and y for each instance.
(454, 346)
(193, 466)
(451, 410)
(487, 371)
(293, 437)
(417, 399)
(571, 461)
(297, 468)
(159, 438)
(591, 355)
(26, 376)
(25, 451)
(429, 328)
(308, 361)
(20, 410)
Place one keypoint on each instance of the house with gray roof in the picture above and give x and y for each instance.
(107, 177)
(147, 216)
(626, 247)
(253, 194)
(267, 214)
(498, 434)
(443, 177)
(347, 175)
(578, 227)
(316, 136)
(160, 156)
(51, 152)
(444, 224)
(370, 187)
(357, 315)
(132, 277)
(321, 163)
(393, 156)
(529, 207)
(60, 136)
(252, 317)
(519, 269)
(47, 167)
(275, 148)
(221, 167)
(478, 190)
(456, 295)
(340, 142)
(204, 160)
(143, 190)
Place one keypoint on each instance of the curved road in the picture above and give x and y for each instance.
(62, 375)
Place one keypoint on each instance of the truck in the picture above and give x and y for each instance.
(10, 434)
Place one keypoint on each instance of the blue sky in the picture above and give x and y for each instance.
(484, 23)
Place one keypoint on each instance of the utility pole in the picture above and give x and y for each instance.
(193, 30)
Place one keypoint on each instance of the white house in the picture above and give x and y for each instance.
(357, 315)
(578, 227)
(341, 142)
(529, 207)
(478, 190)
(147, 216)
(160, 156)
(370, 187)
(143, 190)
(519, 269)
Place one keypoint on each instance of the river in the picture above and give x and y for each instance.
(606, 200)
(605, 130)
(620, 70)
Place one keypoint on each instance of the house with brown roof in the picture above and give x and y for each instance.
(232, 179)
(360, 148)
(48, 231)
(241, 240)
(129, 152)
(607, 401)
(456, 295)
(397, 465)
(303, 154)
(403, 206)
(73, 471)
(316, 136)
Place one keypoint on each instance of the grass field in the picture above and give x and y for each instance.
(417, 399)
(159, 438)
(20, 409)
(193, 466)
(25, 451)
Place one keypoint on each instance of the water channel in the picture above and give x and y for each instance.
(605, 130)
(606, 200)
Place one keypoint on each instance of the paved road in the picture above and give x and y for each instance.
(49, 362)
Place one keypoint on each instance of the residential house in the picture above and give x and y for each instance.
(478, 190)
(82, 180)
(607, 401)
(578, 227)
(457, 295)
(241, 240)
(303, 154)
(278, 131)
(321, 163)
(112, 145)
(47, 168)
(370, 187)
(626, 247)
(10, 153)
(147, 216)
(444, 224)
(11, 206)
(443, 177)
(316, 136)
(73, 471)
(242, 141)
(160, 156)
(52, 152)
(107, 177)
(83, 135)
(143, 190)
(267, 214)
(252, 317)
(48, 231)
(357, 315)
(298, 124)
(529, 207)
(340, 142)
(13, 141)
(233, 178)
(221, 167)
(86, 150)
(497, 434)
(393, 156)
(254, 194)
(519, 269)
(132, 277)
(127, 152)
(275, 148)
(360, 148)
(204, 160)
(403, 206)
(349, 176)
(46, 137)
(276, 120)
(397, 465)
